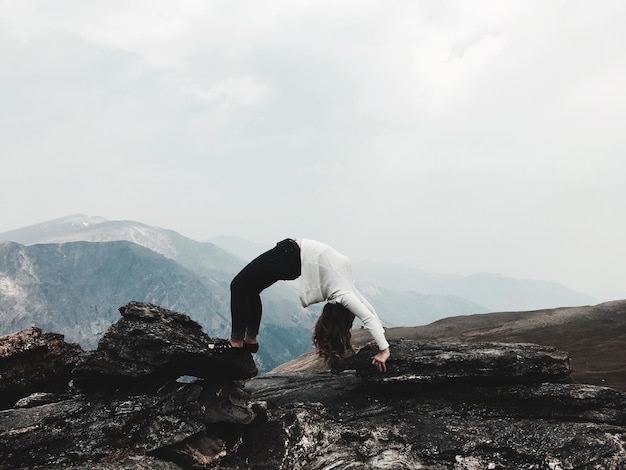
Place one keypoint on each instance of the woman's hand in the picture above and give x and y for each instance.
(380, 359)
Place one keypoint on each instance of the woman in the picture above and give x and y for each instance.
(325, 275)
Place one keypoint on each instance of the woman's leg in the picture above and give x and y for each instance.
(280, 263)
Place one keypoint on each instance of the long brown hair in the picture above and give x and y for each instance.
(331, 335)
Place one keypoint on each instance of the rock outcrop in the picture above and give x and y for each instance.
(122, 400)
(430, 362)
(593, 336)
(32, 360)
(151, 343)
(439, 406)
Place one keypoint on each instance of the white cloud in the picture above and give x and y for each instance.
(469, 133)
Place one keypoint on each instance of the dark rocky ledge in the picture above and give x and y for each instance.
(148, 343)
(439, 406)
(431, 362)
(32, 360)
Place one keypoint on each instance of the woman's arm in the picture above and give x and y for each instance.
(371, 321)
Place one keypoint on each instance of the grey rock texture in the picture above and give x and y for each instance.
(441, 362)
(440, 406)
(150, 342)
(32, 360)
(460, 427)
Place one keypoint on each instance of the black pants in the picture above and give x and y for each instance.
(280, 263)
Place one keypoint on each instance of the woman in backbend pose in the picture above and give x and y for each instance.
(325, 275)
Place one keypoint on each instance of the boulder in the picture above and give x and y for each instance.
(429, 362)
(154, 389)
(150, 344)
(31, 361)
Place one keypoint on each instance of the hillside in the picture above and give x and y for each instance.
(78, 294)
(594, 337)
(75, 289)
(395, 306)
(203, 258)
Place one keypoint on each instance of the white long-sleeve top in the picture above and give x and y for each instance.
(327, 276)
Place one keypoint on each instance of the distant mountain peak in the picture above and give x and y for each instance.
(69, 222)
(46, 231)
(79, 220)
(80, 227)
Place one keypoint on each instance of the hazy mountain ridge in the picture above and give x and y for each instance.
(189, 276)
(480, 292)
(51, 230)
(402, 308)
(520, 292)
(494, 292)
(204, 258)
(215, 263)
(75, 288)
(240, 247)
(207, 270)
(500, 292)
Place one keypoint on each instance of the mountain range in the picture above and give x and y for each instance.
(70, 275)
(483, 291)
(74, 288)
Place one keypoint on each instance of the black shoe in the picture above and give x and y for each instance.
(222, 345)
(251, 348)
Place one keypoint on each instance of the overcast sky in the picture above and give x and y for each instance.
(454, 136)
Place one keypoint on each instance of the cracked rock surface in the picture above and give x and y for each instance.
(154, 395)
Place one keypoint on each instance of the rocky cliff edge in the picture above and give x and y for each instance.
(156, 394)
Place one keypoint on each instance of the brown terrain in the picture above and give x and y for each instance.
(594, 337)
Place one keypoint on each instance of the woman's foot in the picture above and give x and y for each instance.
(248, 344)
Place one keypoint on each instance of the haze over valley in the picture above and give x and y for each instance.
(70, 275)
